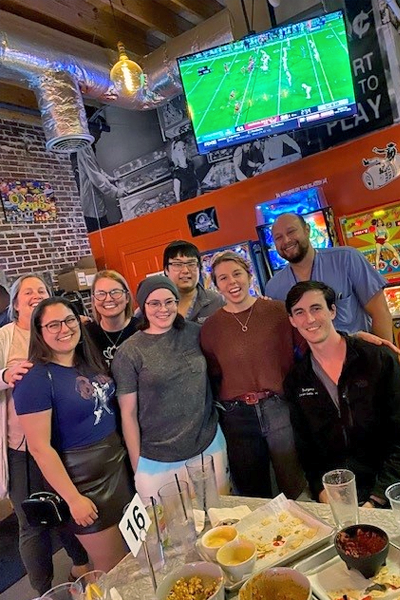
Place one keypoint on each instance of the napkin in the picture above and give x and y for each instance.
(227, 516)
(115, 595)
(199, 519)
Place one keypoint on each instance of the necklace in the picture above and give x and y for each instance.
(244, 325)
(114, 342)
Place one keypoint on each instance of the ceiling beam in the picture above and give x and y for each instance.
(154, 17)
(203, 9)
(81, 19)
(17, 96)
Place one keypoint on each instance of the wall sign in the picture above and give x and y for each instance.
(203, 221)
(28, 201)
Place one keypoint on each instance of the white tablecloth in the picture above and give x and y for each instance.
(132, 585)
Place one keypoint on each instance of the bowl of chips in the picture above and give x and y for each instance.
(193, 581)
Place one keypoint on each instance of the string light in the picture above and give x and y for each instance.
(126, 74)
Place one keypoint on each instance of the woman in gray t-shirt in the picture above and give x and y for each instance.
(167, 409)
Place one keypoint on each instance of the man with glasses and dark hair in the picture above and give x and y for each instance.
(181, 264)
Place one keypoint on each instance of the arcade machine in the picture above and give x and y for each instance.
(300, 202)
(376, 233)
(322, 235)
(251, 252)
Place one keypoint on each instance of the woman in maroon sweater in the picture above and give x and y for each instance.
(249, 345)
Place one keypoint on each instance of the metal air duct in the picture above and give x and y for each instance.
(59, 68)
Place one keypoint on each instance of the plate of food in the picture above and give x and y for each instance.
(282, 532)
(332, 580)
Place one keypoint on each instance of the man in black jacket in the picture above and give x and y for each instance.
(344, 397)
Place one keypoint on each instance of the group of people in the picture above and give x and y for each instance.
(125, 400)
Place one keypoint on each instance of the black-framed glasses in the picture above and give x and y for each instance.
(115, 294)
(56, 326)
(157, 304)
(178, 265)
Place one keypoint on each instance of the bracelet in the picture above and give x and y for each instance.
(2, 376)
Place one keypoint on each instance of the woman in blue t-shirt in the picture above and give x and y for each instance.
(65, 404)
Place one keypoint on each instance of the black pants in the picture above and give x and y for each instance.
(35, 544)
(255, 435)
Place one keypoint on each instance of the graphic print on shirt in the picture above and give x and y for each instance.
(100, 390)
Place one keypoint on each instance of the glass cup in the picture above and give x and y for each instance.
(154, 546)
(202, 475)
(393, 495)
(64, 591)
(94, 586)
(178, 514)
(340, 486)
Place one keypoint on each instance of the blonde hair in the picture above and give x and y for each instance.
(115, 276)
(226, 256)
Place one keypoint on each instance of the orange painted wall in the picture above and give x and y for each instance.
(344, 190)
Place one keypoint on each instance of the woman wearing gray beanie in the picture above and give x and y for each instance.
(167, 409)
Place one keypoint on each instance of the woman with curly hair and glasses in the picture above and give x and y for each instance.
(65, 407)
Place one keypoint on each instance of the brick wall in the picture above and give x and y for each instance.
(40, 248)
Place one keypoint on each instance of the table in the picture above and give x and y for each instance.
(133, 585)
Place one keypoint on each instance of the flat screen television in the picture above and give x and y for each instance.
(268, 83)
(322, 235)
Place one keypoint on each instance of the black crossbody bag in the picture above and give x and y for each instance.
(44, 508)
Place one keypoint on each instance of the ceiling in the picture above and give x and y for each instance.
(143, 25)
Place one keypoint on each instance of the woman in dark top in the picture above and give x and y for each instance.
(65, 405)
(113, 313)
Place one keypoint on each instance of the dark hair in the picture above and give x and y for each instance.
(179, 323)
(180, 248)
(4, 298)
(87, 358)
(300, 218)
(298, 291)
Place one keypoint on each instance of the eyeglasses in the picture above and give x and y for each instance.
(178, 265)
(156, 304)
(114, 294)
(56, 326)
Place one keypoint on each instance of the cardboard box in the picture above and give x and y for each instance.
(80, 277)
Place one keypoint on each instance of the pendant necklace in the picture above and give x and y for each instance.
(114, 344)
(244, 325)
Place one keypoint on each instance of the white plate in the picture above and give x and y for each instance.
(328, 574)
(252, 528)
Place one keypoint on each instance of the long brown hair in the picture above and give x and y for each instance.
(86, 357)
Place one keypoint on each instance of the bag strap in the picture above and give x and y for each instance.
(27, 453)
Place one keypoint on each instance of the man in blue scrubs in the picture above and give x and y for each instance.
(360, 301)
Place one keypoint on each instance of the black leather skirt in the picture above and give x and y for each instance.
(100, 472)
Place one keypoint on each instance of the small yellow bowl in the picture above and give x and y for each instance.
(215, 538)
(237, 558)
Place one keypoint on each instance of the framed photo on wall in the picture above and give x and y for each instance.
(28, 201)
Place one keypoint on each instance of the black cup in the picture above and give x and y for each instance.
(367, 565)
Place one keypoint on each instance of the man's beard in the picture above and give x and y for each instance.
(302, 251)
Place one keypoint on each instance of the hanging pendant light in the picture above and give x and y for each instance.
(126, 74)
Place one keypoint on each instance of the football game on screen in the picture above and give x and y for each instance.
(277, 80)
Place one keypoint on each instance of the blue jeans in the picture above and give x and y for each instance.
(256, 435)
(35, 544)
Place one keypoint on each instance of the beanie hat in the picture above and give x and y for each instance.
(152, 283)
